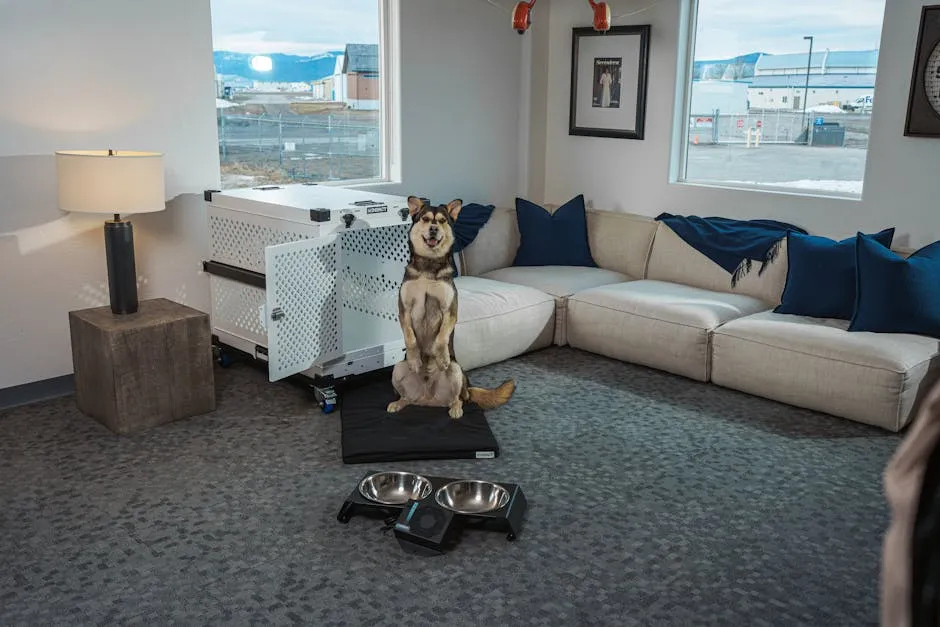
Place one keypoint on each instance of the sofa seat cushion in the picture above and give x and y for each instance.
(498, 320)
(654, 323)
(561, 282)
(816, 363)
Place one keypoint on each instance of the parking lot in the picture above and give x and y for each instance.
(807, 167)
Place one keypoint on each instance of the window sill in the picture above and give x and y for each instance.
(784, 190)
(358, 183)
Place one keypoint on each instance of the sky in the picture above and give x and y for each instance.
(727, 28)
(304, 27)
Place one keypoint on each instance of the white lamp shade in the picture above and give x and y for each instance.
(102, 181)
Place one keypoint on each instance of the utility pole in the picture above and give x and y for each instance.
(809, 61)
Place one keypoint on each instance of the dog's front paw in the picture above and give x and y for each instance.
(443, 362)
(394, 406)
(456, 411)
(414, 361)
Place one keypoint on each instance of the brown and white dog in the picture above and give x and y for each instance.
(427, 311)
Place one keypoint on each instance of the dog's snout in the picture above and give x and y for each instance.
(433, 230)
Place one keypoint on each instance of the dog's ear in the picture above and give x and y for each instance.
(454, 207)
(414, 204)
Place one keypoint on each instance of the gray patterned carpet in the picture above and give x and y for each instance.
(653, 500)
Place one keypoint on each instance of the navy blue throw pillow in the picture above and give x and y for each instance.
(894, 294)
(821, 275)
(559, 239)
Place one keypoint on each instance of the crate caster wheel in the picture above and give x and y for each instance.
(343, 518)
(510, 536)
(326, 399)
(224, 358)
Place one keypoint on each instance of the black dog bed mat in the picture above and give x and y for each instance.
(370, 434)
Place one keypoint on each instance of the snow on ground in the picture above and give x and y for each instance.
(843, 187)
(237, 180)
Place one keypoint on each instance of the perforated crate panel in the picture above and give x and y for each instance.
(374, 263)
(239, 239)
(237, 309)
(303, 305)
(387, 244)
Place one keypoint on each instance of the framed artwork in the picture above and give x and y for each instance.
(923, 104)
(608, 81)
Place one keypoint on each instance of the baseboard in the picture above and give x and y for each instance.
(36, 391)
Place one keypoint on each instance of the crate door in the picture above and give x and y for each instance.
(304, 304)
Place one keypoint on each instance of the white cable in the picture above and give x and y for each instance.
(649, 6)
(500, 7)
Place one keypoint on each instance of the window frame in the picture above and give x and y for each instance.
(389, 12)
(678, 169)
(390, 90)
(389, 100)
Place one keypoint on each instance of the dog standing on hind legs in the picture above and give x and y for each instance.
(427, 311)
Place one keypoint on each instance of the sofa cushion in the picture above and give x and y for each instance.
(654, 323)
(817, 364)
(471, 218)
(621, 241)
(894, 294)
(672, 259)
(494, 246)
(556, 238)
(821, 275)
(561, 282)
(497, 320)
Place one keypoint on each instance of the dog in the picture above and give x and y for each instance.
(427, 312)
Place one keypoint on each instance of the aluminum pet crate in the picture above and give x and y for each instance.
(305, 277)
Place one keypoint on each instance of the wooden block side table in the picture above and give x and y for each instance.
(137, 371)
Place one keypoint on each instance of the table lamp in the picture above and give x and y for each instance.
(113, 182)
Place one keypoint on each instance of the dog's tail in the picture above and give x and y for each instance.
(491, 398)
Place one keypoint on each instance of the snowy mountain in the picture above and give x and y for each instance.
(287, 68)
(740, 67)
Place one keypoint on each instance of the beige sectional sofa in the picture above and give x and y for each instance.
(656, 301)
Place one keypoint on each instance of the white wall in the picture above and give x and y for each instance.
(97, 74)
(461, 84)
(629, 175)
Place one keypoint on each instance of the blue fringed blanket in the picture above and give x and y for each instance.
(732, 244)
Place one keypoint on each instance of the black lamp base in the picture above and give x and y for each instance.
(122, 271)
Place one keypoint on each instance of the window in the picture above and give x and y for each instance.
(778, 95)
(302, 91)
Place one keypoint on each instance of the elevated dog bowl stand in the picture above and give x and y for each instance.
(508, 518)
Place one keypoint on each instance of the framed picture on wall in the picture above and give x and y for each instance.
(608, 81)
(923, 106)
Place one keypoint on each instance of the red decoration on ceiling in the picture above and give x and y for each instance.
(601, 15)
(522, 16)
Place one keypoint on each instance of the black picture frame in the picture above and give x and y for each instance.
(922, 120)
(623, 53)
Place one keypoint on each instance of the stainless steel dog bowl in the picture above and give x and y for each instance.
(472, 497)
(394, 488)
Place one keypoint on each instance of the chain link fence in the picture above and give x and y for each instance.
(777, 126)
(287, 148)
